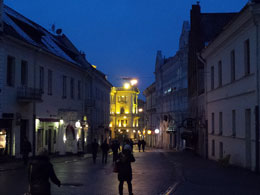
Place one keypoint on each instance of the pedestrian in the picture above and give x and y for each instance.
(131, 144)
(94, 147)
(115, 147)
(124, 169)
(139, 145)
(26, 149)
(143, 145)
(40, 171)
(105, 149)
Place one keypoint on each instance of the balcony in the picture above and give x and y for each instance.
(28, 94)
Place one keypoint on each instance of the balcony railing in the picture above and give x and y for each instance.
(28, 94)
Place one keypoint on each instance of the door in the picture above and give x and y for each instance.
(23, 132)
(248, 137)
(50, 143)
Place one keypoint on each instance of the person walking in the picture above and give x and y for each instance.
(124, 169)
(131, 144)
(139, 145)
(105, 149)
(40, 171)
(143, 145)
(26, 149)
(115, 147)
(94, 147)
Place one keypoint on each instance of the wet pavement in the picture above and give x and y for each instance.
(154, 172)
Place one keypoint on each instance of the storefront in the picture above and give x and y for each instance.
(6, 147)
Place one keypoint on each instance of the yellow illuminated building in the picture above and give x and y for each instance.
(124, 111)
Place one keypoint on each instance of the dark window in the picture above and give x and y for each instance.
(10, 77)
(234, 122)
(212, 123)
(220, 123)
(49, 82)
(213, 147)
(122, 110)
(24, 73)
(42, 79)
(221, 152)
(233, 65)
(79, 90)
(72, 88)
(247, 57)
(212, 77)
(64, 87)
(219, 73)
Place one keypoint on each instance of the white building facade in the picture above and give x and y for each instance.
(45, 87)
(232, 89)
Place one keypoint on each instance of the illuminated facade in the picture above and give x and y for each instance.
(124, 112)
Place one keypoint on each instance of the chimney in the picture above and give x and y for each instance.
(1, 15)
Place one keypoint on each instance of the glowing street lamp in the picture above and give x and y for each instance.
(149, 132)
(126, 85)
(157, 131)
(133, 82)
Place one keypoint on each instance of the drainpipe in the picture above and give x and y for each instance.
(257, 88)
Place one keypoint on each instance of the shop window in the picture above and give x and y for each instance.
(2, 141)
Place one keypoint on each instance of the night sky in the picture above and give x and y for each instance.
(120, 37)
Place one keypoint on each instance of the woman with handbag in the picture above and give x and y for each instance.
(40, 171)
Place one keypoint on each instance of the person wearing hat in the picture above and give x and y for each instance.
(40, 171)
(124, 168)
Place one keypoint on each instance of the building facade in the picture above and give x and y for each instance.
(171, 91)
(124, 116)
(232, 90)
(203, 28)
(44, 85)
(151, 120)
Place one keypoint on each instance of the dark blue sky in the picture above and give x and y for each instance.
(121, 37)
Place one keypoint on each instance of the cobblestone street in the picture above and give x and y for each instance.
(154, 172)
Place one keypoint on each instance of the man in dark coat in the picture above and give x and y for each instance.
(124, 169)
(40, 171)
(94, 147)
(143, 145)
(26, 149)
(139, 145)
(104, 148)
(115, 147)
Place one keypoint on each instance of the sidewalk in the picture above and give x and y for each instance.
(15, 164)
(201, 176)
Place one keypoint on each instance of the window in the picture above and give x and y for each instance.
(233, 122)
(122, 110)
(213, 147)
(41, 79)
(24, 73)
(220, 123)
(233, 65)
(72, 88)
(10, 77)
(219, 73)
(221, 152)
(247, 57)
(212, 123)
(64, 87)
(79, 90)
(212, 77)
(49, 82)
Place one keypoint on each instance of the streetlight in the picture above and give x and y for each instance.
(157, 131)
